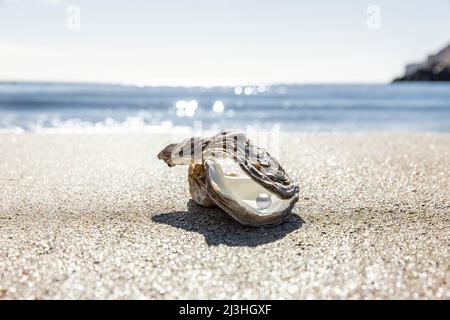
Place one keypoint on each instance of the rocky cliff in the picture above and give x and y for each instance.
(435, 68)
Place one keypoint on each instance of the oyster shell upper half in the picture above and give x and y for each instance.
(227, 170)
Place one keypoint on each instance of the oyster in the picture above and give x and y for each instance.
(227, 170)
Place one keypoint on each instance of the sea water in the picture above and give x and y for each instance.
(60, 107)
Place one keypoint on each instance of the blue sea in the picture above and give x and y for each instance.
(59, 107)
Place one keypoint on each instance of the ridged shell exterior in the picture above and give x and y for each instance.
(254, 161)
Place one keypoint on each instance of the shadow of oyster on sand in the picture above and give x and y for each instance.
(218, 228)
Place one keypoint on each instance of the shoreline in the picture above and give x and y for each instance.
(98, 216)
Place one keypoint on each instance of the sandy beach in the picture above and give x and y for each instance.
(98, 216)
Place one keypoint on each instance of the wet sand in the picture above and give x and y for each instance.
(98, 216)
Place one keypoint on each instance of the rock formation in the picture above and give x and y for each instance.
(435, 68)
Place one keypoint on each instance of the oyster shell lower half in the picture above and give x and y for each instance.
(229, 171)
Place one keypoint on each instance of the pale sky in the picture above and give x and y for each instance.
(222, 42)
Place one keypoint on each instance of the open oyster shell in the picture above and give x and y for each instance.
(227, 170)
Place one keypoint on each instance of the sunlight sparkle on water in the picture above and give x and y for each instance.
(238, 91)
(248, 91)
(186, 108)
(218, 106)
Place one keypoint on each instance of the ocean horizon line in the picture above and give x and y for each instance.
(199, 85)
